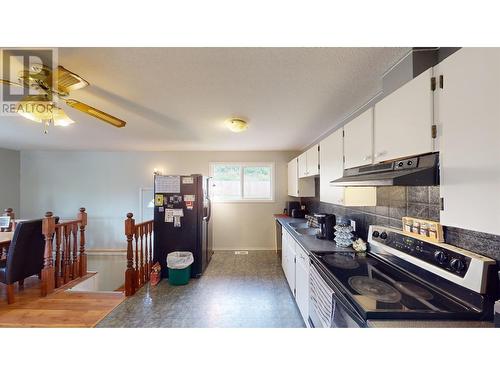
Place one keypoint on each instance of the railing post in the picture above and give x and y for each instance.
(67, 254)
(75, 268)
(48, 279)
(146, 255)
(137, 272)
(151, 229)
(59, 258)
(141, 269)
(82, 217)
(130, 275)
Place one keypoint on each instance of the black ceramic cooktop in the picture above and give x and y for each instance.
(379, 289)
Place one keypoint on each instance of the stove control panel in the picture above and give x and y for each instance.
(434, 254)
(463, 267)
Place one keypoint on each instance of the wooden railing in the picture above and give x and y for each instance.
(139, 253)
(66, 260)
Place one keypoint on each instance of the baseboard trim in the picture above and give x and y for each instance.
(244, 249)
(115, 252)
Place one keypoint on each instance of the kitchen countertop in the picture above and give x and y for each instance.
(309, 243)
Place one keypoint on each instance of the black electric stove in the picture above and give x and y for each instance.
(401, 277)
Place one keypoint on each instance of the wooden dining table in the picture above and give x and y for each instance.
(5, 238)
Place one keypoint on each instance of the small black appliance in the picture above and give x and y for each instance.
(292, 205)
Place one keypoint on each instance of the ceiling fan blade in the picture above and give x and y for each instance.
(68, 81)
(95, 113)
(5, 82)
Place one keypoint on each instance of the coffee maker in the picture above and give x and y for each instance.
(326, 223)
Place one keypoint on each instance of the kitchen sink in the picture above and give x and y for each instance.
(299, 225)
(307, 231)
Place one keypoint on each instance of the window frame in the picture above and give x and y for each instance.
(242, 166)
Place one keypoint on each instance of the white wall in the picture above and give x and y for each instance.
(9, 180)
(107, 184)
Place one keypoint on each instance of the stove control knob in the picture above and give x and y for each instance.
(457, 265)
(375, 234)
(383, 235)
(440, 256)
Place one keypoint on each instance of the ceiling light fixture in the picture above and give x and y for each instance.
(236, 125)
(37, 108)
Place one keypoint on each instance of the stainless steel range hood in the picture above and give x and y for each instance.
(420, 170)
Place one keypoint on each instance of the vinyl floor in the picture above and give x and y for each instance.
(236, 291)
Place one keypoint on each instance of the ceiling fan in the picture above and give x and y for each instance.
(44, 106)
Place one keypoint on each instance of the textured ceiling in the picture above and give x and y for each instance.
(178, 98)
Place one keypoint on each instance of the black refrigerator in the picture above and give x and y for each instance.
(182, 220)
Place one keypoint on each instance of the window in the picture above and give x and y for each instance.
(242, 182)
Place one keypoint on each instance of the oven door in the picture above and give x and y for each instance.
(327, 307)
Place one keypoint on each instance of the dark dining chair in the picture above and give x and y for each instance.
(24, 257)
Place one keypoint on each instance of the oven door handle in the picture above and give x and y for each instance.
(339, 297)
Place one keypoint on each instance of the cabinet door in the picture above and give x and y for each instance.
(293, 187)
(358, 140)
(468, 122)
(302, 284)
(290, 274)
(403, 120)
(312, 161)
(303, 165)
(331, 155)
(284, 249)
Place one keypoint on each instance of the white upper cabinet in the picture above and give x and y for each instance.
(358, 140)
(308, 163)
(331, 158)
(293, 179)
(468, 123)
(303, 165)
(313, 161)
(299, 187)
(331, 155)
(403, 120)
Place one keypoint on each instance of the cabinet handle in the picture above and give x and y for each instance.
(367, 157)
(381, 153)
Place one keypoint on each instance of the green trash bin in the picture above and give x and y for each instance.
(179, 276)
(179, 267)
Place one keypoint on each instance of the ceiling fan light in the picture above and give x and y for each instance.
(61, 118)
(29, 116)
(236, 125)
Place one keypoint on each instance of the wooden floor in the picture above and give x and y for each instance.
(63, 308)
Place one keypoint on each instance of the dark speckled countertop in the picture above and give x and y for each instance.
(309, 243)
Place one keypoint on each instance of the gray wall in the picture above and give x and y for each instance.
(107, 184)
(9, 180)
(394, 202)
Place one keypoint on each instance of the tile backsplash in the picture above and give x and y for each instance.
(394, 202)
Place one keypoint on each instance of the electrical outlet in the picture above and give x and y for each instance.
(353, 225)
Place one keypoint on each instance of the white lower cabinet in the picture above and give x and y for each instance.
(295, 264)
(302, 283)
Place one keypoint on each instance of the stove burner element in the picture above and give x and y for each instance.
(414, 290)
(344, 261)
(374, 288)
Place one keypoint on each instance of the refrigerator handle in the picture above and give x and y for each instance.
(209, 211)
(209, 214)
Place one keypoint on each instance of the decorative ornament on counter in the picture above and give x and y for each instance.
(343, 232)
(359, 245)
